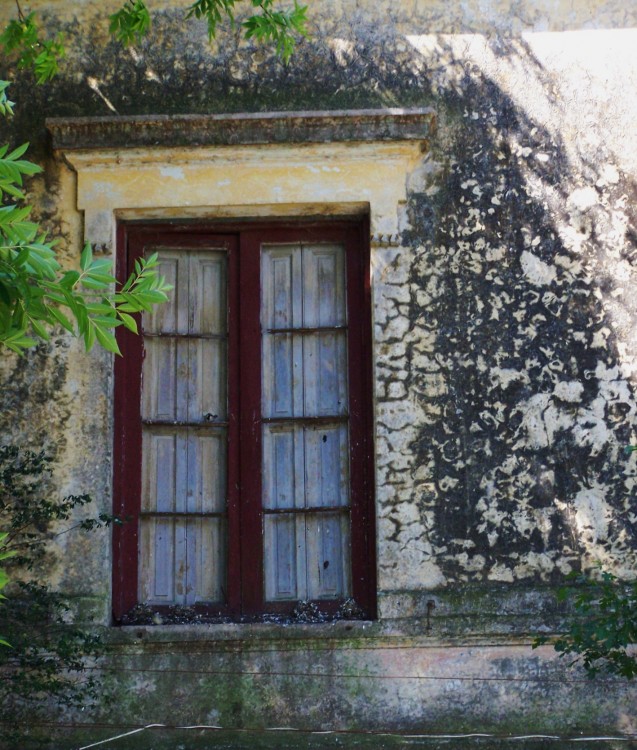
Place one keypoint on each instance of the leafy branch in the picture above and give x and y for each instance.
(605, 626)
(36, 296)
(279, 26)
(130, 23)
(22, 36)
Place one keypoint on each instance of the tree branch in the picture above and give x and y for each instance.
(21, 15)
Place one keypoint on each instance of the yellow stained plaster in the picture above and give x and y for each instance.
(331, 179)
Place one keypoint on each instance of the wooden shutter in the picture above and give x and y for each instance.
(183, 529)
(305, 422)
(243, 423)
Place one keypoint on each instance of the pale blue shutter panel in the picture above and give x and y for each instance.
(183, 526)
(305, 433)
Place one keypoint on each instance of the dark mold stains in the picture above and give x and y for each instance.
(525, 454)
(512, 330)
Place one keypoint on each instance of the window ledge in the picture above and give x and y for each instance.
(86, 133)
(233, 632)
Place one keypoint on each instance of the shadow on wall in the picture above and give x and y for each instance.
(521, 335)
(522, 287)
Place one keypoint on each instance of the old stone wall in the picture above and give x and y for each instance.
(504, 353)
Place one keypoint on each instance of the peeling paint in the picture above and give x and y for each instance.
(505, 336)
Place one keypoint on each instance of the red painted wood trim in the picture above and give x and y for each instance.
(127, 468)
(355, 239)
(250, 432)
(127, 451)
(245, 585)
(361, 424)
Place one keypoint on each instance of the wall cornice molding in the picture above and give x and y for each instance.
(144, 131)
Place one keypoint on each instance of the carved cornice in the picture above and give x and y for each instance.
(87, 133)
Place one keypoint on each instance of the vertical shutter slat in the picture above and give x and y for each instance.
(280, 541)
(328, 555)
(323, 286)
(327, 466)
(278, 467)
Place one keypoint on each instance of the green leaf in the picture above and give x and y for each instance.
(103, 278)
(89, 335)
(90, 282)
(106, 322)
(40, 330)
(61, 319)
(107, 340)
(100, 308)
(18, 152)
(18, 342)
(87, 256)
(128, 321)
(69, 279)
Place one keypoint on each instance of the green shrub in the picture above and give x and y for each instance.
(46, 667)
(604, 627)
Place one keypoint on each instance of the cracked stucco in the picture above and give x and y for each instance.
(504, 329)
(504, 345)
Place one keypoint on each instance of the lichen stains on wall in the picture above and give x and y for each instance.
(505, 349)
(505, 342)
(515, 341)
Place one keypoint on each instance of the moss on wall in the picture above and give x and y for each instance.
(505, 357)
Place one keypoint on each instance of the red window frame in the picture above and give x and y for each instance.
(245, 584)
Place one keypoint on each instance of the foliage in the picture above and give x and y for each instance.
(48, 656)
(34, 292)
(6, 106)
(278, 26)
(606, 625)
(36, 295)
(5, 554)
(22, 36)
(271, 24)
(130, 23)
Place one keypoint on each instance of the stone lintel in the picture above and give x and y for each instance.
(86, 133)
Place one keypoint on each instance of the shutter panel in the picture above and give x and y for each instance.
(183, 544)
(305, 433)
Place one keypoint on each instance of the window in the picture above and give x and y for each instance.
(242, 424)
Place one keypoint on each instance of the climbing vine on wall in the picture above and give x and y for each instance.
(48, 659)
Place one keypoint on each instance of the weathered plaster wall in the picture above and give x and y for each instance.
(504, 327)
(518, 326)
